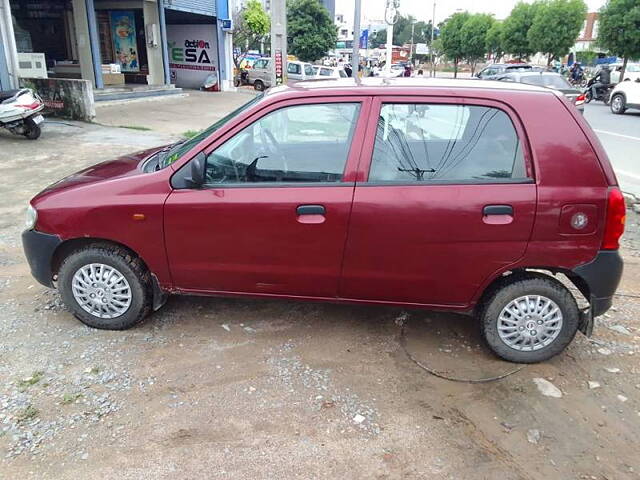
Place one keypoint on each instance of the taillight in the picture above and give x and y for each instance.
(30, 106)
(614, 220)
(580, 99)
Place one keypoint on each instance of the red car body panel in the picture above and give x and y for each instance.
(412, 244)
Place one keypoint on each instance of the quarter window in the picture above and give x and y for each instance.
(444, 142)
(303, 143)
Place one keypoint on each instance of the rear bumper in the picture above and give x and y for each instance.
(598, 281)
(39, 248)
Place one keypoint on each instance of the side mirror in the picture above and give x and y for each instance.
(198, 165)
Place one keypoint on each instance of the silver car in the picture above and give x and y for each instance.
(260, 74)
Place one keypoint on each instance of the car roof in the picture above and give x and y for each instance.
(523, 64)
(386, 86)
(531, 74)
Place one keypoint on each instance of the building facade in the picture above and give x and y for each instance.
(116, 42)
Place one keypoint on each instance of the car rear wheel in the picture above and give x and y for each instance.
(618, 104)
(258, 85)
(105, 287)
(529, 318)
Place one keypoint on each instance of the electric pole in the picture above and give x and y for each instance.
(278, 43)
(355, 60)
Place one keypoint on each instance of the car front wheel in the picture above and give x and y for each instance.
(618, 104)
(529, 318)
(105, 287)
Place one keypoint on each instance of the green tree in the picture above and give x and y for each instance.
(402, 33)
(516, 27)
(310, 30)
(619, 30)
(494, 42)
(251, 26)
(556, 26)
(473, 35)
(451, 37)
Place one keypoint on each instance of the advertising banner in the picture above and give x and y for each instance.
(123, 33)
(193, 54)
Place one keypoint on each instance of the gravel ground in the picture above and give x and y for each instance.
(227, 388)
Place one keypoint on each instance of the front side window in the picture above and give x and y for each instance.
(445, 142)
(308, 70)
(302, 143)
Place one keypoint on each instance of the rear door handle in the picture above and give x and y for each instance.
(497, 210)
(310, 210)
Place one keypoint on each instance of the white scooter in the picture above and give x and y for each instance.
(19, 112)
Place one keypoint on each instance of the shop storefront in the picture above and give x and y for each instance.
(114, 43)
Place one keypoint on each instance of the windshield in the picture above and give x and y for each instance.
(519, 68)
(167, 157)
(553, 81)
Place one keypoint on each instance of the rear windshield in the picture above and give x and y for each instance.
(519, 68)
(553, 81)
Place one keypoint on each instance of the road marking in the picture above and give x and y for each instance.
(617, 134)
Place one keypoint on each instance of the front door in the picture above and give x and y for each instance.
(448, 200)
(273, 216)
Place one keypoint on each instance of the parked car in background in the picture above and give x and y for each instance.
(449, 194)
(631, 73)
(491, 72)
(299, 71)
(327, 73)
(625, 95)
(549, 80)
(260, 75)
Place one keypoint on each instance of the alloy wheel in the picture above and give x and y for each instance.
(101, 290)
(529, 323)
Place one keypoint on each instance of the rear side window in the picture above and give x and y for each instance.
(445, 142)
(308, 69)
(293, 68)
(325, 72)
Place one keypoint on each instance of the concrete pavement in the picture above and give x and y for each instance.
(173, 114)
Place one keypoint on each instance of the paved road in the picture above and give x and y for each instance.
(620, 135)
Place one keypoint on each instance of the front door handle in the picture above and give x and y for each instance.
(310, 210)
(497, 210)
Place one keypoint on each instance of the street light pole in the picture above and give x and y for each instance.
(355, 61)
(278, 43)
(433, 28)
(390, 17)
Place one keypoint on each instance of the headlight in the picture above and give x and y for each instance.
(32, 217)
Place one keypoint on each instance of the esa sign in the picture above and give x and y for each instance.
(193, 54)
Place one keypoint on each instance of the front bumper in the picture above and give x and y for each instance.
(39, 248)
(599, 280)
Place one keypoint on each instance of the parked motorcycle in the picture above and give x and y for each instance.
(603, 93)
(19, 112)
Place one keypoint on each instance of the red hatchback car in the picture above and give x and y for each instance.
(452, 195)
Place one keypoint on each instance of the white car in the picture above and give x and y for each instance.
(625, 95)
(632, 72)
(327, 73)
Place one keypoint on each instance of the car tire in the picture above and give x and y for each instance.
(618, 104)
(534, 297)
(258, 85)
(127, 277)
(32, 130)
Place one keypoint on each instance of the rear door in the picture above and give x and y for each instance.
(445, 199)
(273, 215)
